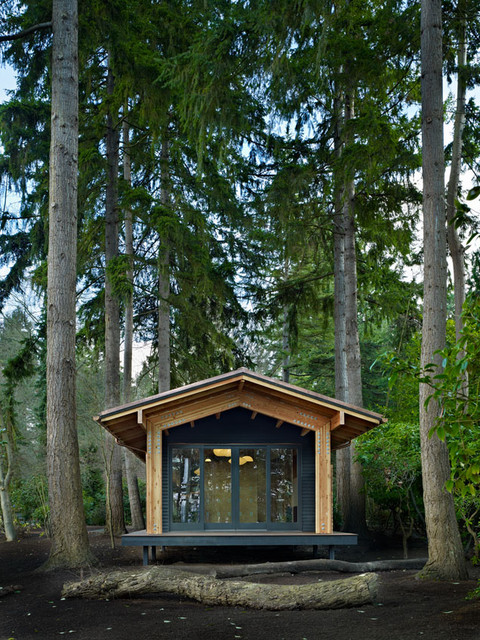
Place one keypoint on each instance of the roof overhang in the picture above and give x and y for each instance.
(241, 388)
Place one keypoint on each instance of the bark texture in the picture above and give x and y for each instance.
(348, 378)
(138, 521)
(348, 592)
(164, 282)
(321, 564)
(6, 507)
(445, 553)
(115, 523)
(355, 520)
(69, 535)
(457, 250)
(6, 475)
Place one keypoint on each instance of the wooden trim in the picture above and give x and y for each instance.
(240, 380)
(279, 424)
(195, 411)
(141, 419)
(154, 481)
(305, 431)
(149, 479)
(338, 420)
(280, 409)
(254, 415)
(323, 482)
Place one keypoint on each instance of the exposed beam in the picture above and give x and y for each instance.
(338, 420)
(141, 419)
(254, 415)
(217, 415)
(166, 432)
(192, 423)
(240, 385)
(305, 431)
(279, 424)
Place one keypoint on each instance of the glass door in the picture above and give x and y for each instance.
(217, 487)
(252, 488)
(237, 487)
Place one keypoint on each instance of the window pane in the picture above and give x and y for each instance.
(252, 485)
(218, 485)
(186, 485)
(283, 485)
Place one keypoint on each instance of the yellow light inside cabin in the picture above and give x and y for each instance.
(222, 453)
(242, 460)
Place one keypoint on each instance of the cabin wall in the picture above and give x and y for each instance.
(237, 427)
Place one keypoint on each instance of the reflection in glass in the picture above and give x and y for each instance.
(283, 485)
(252, 463)
(186, 485)
(218, 486)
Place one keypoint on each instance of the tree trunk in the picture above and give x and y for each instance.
(115, 523)
(457, 250)
(348, 379)
(355, 520)
(138, 521)
(7, 457)
(445, 554)
(69, 546)
(164, 282)
(342, 474)
(6, 506)
(286, 341)
(128, 341)
(318, 564)
(286, 344)
(335, 594)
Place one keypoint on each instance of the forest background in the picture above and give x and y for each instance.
(248, 183)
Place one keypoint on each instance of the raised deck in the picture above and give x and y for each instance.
(236, 538)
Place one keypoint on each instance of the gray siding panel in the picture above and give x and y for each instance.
(308, 484)
(165, 494)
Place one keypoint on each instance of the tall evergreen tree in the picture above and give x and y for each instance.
(138, 521)
(113, 456)
(445, 553)
(69, 535)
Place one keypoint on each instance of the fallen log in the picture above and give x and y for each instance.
(320, 564)
(336, 594)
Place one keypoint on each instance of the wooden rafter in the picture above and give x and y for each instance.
(258, 394)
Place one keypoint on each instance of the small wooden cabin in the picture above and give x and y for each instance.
(239, 459)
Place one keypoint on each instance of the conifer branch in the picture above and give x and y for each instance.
(26, 32)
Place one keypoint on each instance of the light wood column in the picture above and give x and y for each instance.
(323, 481)
(154, 480)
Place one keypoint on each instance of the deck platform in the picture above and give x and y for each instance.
(242, 538)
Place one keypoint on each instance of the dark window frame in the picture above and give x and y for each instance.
(235, 525)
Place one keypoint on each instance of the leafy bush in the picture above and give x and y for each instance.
(29, 497)
(390, 458)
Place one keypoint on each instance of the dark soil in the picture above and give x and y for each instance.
(406, 608)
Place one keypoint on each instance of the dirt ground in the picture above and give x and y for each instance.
(406, 608)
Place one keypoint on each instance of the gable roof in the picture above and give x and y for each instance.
(241, 388)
